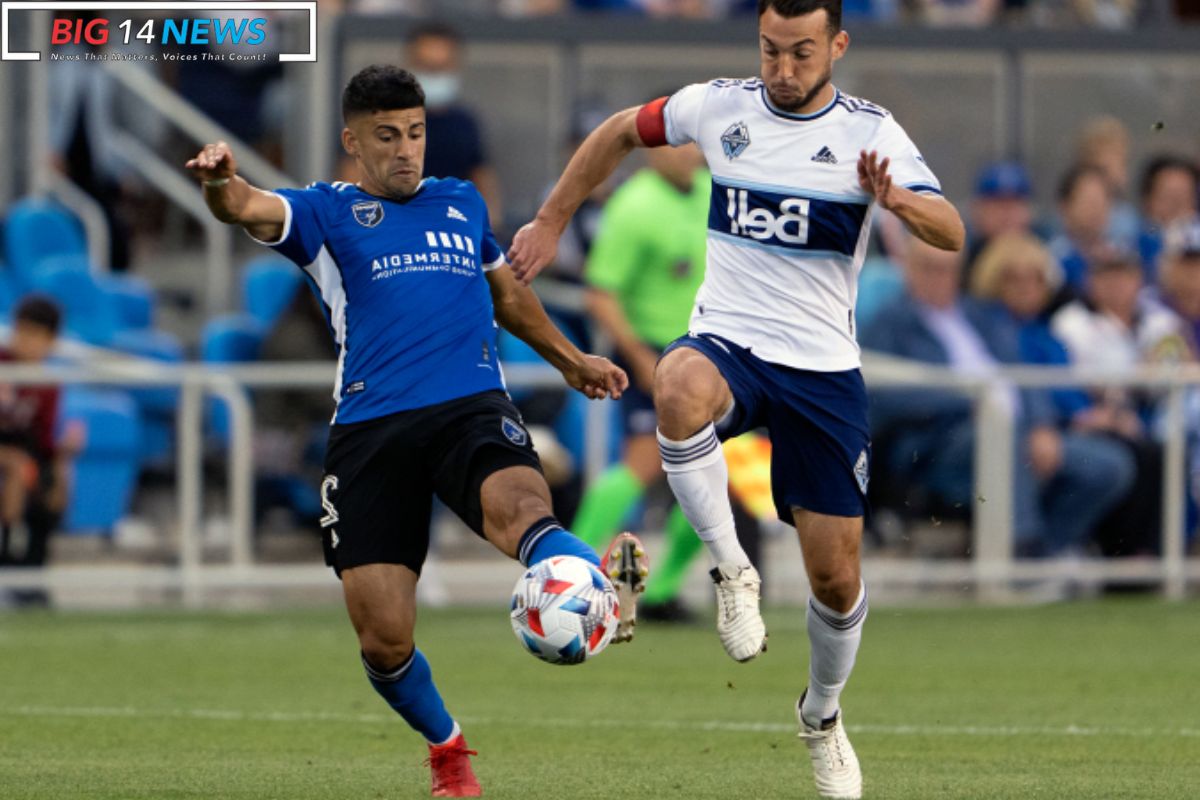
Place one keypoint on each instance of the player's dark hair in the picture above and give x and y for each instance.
(433, 30)
(39, 310)
(1165, 163)
(1076, 175)
(381, 87)
(798, 8)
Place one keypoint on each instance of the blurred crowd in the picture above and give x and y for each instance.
(1109, 14)
(1110, 281)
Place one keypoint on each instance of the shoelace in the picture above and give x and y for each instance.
(731, 599)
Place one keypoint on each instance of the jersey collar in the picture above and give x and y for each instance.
(837, 94)
(401, 201)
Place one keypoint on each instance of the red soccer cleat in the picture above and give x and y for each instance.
(451, 767)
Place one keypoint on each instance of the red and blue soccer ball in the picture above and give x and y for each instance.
(564, 610)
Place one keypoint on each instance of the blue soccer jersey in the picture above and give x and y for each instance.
(403, 286)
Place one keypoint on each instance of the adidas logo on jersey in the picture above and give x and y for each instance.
(825, 156)
(454, 213)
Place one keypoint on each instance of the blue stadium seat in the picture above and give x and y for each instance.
(88, 311)
(269, 284)
(132, 300)
(36, 230)
(879, 282)
(227, 339)
(157, 405)
(107, 469)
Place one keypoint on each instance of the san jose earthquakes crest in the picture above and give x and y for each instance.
(368, 213)
(514, 432)
(735, 140)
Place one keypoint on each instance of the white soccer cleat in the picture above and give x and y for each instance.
(739, 623)
(626, 565)
(835, 766)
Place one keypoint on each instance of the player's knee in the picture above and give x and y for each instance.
(835, 586)
(385, 649)
(506, 522)
(683, 395)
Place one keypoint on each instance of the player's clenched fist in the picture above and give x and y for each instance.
(214, 162)
(597, 377)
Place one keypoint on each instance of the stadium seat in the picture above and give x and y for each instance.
(231, 338)
(36, 230)
(88, 311)
(107, 469)
(132, 300)
(268, 286)
(157, 405)
(879, 282)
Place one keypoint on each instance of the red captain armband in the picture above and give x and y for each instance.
(652, 124)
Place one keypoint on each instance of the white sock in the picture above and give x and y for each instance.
(699, 479)
(834, 639)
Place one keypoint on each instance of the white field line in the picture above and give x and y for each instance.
(725, 726)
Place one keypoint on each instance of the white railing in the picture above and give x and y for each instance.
(991, 568)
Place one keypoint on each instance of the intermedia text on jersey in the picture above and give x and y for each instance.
(172, 30)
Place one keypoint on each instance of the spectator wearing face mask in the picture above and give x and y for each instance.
(454, 142)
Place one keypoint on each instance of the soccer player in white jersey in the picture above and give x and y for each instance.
(797, 169)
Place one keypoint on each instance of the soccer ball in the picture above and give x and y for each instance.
(564, 610)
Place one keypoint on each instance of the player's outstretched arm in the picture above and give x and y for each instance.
(536, 244)
(933, 220)
(519, 312)
(233, 200)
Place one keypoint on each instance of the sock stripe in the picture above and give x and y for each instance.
(672, 455)
(846, 623)
(534, 535)
(395, 676)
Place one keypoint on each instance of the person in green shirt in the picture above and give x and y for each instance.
(643, 271)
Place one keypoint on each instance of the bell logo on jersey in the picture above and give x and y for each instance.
(784, 219)
(787, 224)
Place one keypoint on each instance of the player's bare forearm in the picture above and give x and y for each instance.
(519, 311)
(231, 199)
(536, 244)
(933, 220)
(601, 152)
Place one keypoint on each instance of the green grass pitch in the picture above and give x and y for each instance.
(1089, 700)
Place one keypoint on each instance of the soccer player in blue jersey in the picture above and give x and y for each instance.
(413, 284)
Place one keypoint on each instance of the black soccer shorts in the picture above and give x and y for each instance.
(381, 476)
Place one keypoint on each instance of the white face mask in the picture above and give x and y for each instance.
(441, 88)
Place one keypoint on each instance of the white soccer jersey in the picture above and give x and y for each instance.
(788, 223)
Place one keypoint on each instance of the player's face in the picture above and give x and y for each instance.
(389, 147)
(797, 58)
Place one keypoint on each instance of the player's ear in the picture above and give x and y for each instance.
(841, 41)
(349, 142)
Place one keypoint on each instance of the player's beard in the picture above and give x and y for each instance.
(806, 98)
